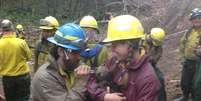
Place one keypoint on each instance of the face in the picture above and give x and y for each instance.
(91, 35)
(47, 33)
(71, 60)
(121, 48)
(196, 22)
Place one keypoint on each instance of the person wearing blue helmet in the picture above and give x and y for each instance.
(196, 88)
(62, 78)
(188, 43)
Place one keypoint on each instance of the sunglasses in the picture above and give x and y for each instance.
(73, 53)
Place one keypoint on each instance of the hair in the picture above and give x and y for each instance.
(54, 52)
(135, 44)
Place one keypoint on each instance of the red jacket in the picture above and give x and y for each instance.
(143, 84)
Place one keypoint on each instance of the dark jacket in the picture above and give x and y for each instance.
(143, 84)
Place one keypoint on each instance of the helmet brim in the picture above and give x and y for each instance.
(107, 40)
(88, 26)
(51, 39)
(45, 27)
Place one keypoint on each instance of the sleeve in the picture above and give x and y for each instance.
(94, 88)
(96, 92)
(149, 90)
(52, 90)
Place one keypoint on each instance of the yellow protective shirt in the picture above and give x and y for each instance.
(188, 43)
(14, 54)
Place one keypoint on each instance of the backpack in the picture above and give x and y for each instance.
(92, 53)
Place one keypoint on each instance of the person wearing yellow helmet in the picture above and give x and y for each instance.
(14, 55)
(48, 25)
(154, 42)
(128, 71)
(95, 54)
(188, 43)
(153, 45)
(90, 25)
(20, 32)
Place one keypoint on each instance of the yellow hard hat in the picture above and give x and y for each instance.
(19, 26)
(49, 23)
(124, 27)
(89, 21)
(158, 35)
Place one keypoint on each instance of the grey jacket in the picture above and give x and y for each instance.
(49, 85)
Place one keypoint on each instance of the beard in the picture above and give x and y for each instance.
(71, 65)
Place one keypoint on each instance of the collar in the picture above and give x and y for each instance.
(143, 58)
(9, 36)
(69, 79)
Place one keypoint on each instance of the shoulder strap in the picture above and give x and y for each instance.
(94, 63)
(186, 35)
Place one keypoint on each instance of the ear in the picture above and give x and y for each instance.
(60, 52)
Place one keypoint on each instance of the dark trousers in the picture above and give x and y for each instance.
(162, 93)
(17, 88)
(187, 76)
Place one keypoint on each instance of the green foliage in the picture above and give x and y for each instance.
(17, 16)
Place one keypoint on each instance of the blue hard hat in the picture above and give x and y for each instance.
(91, 52)
(195, 13)
(69, 36)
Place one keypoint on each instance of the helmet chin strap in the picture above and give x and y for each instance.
(66, 56)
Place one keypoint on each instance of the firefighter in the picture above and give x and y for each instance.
(188, 43)
(14, 55)
(48, 26)
(154, 42)
(128, 75)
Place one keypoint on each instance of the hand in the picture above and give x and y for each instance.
(111, 54)
(113, 96)
(82, 70)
